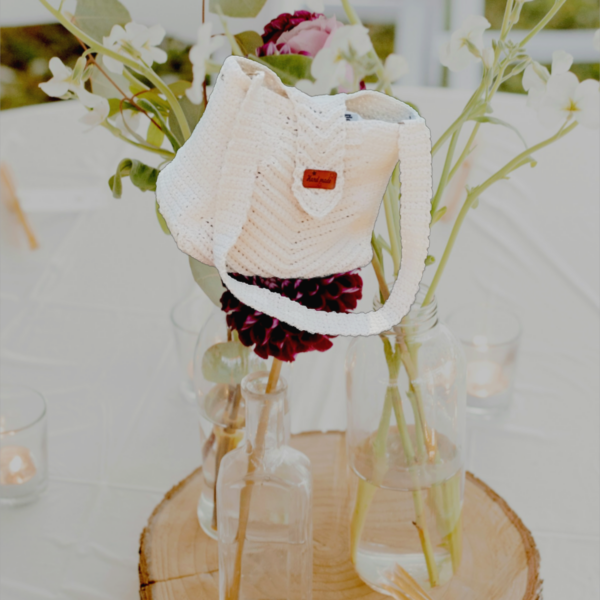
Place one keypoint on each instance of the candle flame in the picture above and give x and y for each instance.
(16, 464)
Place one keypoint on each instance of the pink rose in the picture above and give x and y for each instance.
(309, 36)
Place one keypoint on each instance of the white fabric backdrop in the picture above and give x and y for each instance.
(85, 320)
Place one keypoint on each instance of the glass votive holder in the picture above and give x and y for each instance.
(187, 319)
(490, 336)
(23, 444)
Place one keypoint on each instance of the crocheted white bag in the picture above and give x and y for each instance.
(276, 183)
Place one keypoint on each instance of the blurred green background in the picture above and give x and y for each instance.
(25, 51)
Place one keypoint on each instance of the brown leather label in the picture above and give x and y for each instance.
(323, 180)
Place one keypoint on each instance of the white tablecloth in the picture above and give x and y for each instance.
(85, 320)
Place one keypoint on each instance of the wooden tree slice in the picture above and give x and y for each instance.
(178, 561)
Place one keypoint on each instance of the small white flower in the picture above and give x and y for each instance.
(98, 108)
(127, 121)
(536, 76)
(333, 65)
(566, 98)
(64, 82)
(596, 41)
(488, 56)
(135, 41)
(466, 44)
(199, 54)
(395, 67)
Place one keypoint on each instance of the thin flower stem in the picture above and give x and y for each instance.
(383, 287)
(144, 146)
(466, 151)
(256, 455)
(445, 171)
(544, 21)
(460, 121)
(420, 515)
(512, 165)
(144, 70)
(506, 20)
(388, 204)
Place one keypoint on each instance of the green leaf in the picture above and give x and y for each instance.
(179, 87)
(383, 244)
(141, 175)
(249, 41)
(155, 136)
(438, 214)
(192, 112)
(114, 106)
(290, 67)
(208, 280)
(103, 87)
(97, 17)
(496, 121)
(227, 362)
(161, 219)
(243, 9)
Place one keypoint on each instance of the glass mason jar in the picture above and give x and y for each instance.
(264, 504)
(405, 440)
(220, 364)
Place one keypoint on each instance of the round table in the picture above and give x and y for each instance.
(85, 320)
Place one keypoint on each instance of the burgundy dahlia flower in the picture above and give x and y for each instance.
(285, 22)
(271, 337)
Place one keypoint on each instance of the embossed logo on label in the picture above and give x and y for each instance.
(323, 180)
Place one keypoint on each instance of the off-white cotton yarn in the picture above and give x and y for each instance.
(233, 196)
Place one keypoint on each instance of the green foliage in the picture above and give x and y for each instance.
(226, 362)
(192, 112)
(248, 42)
(495, 121)
(155, 136)
(161, 219)
(290, 67)
(574, 14)
(97, 17)
(141, 175)
(179, 87)
(104, 87)
(243, 9)
(208, 280)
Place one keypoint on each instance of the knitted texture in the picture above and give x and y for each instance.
(233, 196)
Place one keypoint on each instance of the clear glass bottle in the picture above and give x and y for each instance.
(220, 363)
(405, 438)
(264, 497)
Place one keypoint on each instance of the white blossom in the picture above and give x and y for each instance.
(68, 83)
(536, 76)
(65, 82)
(135, 41)
(98, 108)
(334, 65)
(395, 67)
(466, 44)
(567, 98)
(487, 56)
(199, 54)
(127, 120)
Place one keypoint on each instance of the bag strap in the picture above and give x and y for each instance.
(235, 196)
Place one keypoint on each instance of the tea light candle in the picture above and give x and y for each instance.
(490, 336)
(485, 378)
(16, 465)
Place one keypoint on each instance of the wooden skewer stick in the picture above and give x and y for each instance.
(15, 205)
